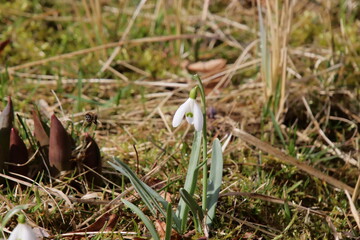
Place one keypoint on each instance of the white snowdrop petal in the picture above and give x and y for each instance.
(198, 117)
(22, 232)
(190, 120)
(180, 112)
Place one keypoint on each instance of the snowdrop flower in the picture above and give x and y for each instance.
(192, 111)
(22, 231)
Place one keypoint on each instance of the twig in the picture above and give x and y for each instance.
(58, 100)
(353, 209)
(133, 68)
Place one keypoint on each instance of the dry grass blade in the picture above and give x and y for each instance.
(333, 228)
(274, 35)
(124, 36)
(290, 160)
(47, 190)
(239, 61)
(272, 200)
(319, 144)
(356, 192)
(345, 157)
(72, 235)
(258, 227)
(130, 62)
(108, 45)
(353, 209)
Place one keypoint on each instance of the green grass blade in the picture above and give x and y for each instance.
(12, 212)
(165, 205)
(169, 214)
(191, 179)
(194, 208)
(150, 226)
(215, 180)
(136, 182)
(278, 129)
(151, 198)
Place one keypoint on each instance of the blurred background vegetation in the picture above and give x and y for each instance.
(285, 71)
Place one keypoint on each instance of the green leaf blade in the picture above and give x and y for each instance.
(150, 226)
(194, 208)
(169, 214)
(151, 198)
(191, 179)
(215, 181)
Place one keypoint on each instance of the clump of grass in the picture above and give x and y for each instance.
(310, 112)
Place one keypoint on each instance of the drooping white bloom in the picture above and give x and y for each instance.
(22, 232)
(192, 111)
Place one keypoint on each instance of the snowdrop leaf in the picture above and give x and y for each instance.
(151, 198)
(150, 226)
(194, 208)
(191, 178)
(169, 214)
(215, 180)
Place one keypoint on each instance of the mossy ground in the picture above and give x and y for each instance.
(137, 95)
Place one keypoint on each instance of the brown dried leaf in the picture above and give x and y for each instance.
(6, 123)
(3, 44)
(207, 66)
(107, 219)
(17, 154)
(59, 146)
(167, 196)
(160, 227)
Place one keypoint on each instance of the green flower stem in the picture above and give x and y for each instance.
(204, 163)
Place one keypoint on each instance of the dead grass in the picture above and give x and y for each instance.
(127, 62)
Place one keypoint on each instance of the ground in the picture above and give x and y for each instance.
(285, 72)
